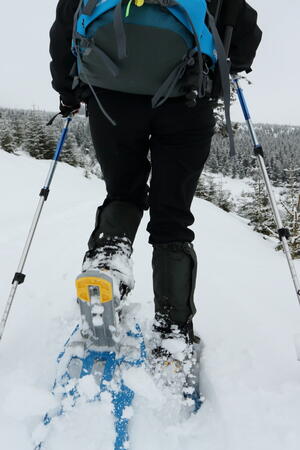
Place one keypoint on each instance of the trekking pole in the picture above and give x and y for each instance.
(19, 276)
(283, 233)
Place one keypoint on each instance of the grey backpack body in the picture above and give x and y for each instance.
(152, 52)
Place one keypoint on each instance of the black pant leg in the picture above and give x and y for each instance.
(180, 144)
(122, 149)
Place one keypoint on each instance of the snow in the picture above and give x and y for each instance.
(235, 186)
(297, 345)
(247, 318)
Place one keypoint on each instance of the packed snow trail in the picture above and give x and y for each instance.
(247, 315)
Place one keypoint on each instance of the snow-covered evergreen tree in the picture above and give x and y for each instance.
(69, 151)
(255, 206)
(37, 142)
(223, 199)
(210, 190)
(290, 201)
(7, 138)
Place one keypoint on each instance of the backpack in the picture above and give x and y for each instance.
(146, 46)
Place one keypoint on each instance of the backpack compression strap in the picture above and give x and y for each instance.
(88, 9)
(164, 91)
(225, 77)
(227, 12)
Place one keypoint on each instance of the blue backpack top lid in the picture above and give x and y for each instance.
(196, 10)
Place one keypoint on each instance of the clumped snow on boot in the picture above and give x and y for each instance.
(102, 287)
(174, 358)
(113, 255)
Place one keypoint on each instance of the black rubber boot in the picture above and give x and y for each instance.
(174, 278)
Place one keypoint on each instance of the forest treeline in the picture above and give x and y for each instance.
(26, 131)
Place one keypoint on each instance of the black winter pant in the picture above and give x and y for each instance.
(178, 139)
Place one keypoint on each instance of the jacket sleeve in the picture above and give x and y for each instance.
(62, 58)
(245, 40)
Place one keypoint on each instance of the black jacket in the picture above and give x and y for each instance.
(245, 40)
(62, 59)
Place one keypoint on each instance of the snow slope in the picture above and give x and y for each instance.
(247, 315)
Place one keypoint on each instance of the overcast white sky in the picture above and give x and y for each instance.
(274, 96)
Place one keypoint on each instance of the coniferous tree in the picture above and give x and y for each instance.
(7, 139)
(281, 151)
(69, 151)
(255, 206)
(34, 142)
(290, 201)
(223, 199)
(213, 192)
(19, 131)
(202, 188)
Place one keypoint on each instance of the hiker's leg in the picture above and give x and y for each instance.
(122, 153)
(180, 145)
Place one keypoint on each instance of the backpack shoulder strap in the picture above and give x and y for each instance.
(89, 7)
(225, 79)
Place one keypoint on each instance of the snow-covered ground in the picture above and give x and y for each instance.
(247, 316)
(235, 186)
